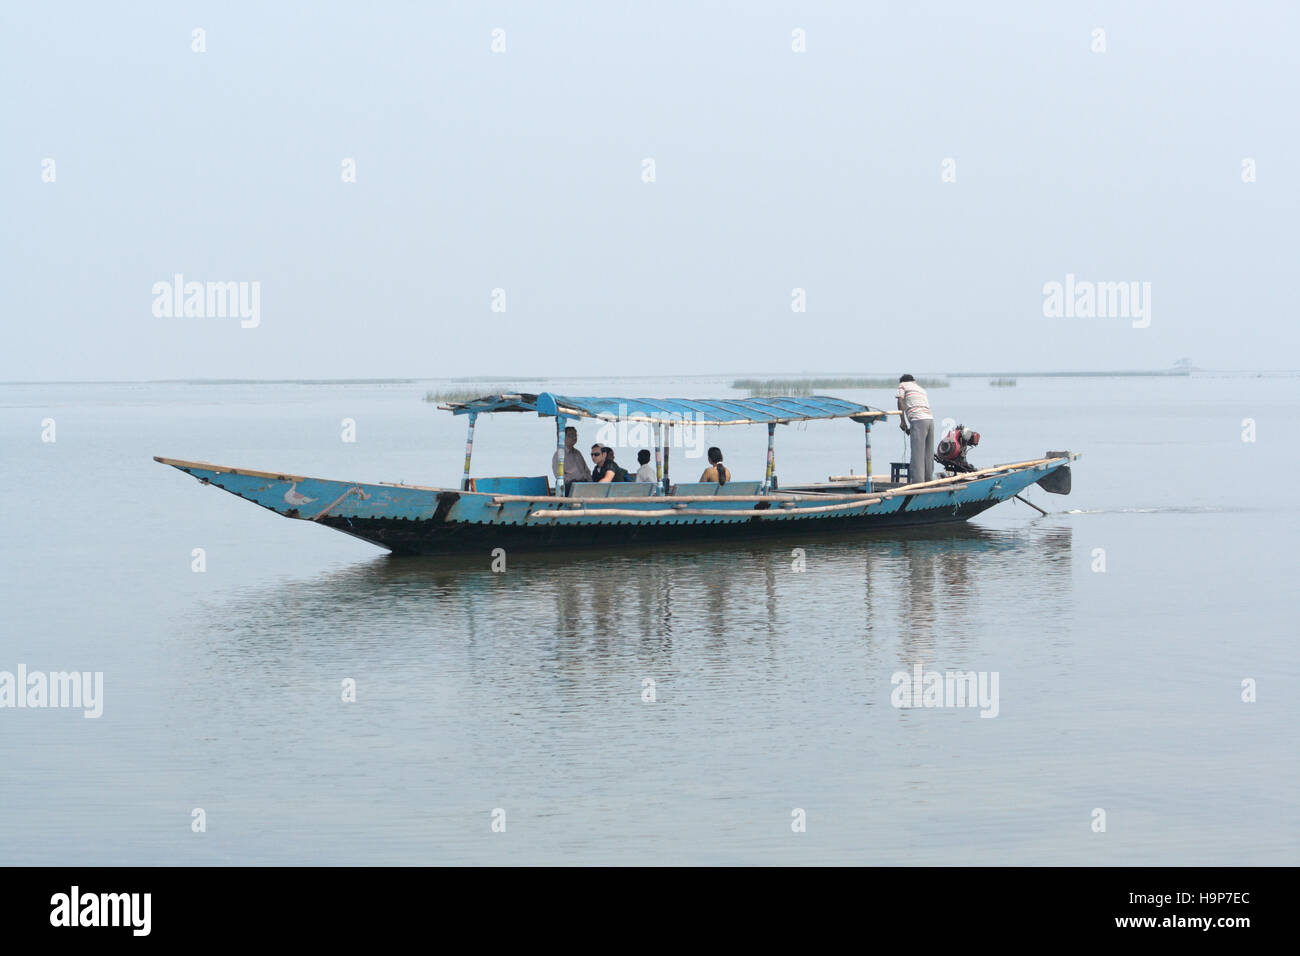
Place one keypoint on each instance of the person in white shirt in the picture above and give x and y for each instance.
(917, 421)
(647, 471)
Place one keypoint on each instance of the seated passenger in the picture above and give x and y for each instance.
(575, 469)
(607, 469)
(647, 471)
(716, 471)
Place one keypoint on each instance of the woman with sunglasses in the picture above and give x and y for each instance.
(605, 467)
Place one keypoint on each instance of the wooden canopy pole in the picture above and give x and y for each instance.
(668, 441)
(771, 457)
(559, 444)
(868, 430)
(659, 460)
(469, 451)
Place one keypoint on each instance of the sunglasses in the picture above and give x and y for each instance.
(597, 454)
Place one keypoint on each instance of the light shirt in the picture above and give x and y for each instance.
(916, 404)
(575, 466)
(646, 473)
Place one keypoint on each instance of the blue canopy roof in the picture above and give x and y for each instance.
(711, 411)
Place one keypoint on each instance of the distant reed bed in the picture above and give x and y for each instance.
(456, 395)
(811, 386)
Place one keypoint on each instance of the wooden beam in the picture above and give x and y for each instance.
(685, 499)
(938, 484)
(701, 512)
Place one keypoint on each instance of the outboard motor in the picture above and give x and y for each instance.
(951, 450)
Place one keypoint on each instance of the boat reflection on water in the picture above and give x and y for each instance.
(926, 596)
(943, 598)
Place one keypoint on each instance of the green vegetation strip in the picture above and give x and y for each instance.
(456, 395)
(810, 386)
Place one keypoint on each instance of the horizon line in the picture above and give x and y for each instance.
(470, 380)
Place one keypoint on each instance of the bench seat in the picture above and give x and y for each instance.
(713, 488)
(538, 485)
(612, 489)
(631, 489)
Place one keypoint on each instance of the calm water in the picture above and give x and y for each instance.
(1118, 690)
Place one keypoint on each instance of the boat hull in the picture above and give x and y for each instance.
(449, 537)
(413, 520)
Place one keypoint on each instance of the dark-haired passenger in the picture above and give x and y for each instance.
(716, 471)
(647, 471)
(575, 469)
(606, 468)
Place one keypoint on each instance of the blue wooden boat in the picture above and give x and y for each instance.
(523, 513)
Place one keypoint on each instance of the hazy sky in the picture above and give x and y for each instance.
(523, 171)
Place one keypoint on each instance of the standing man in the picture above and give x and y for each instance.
(575, 466)
(918, 421)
